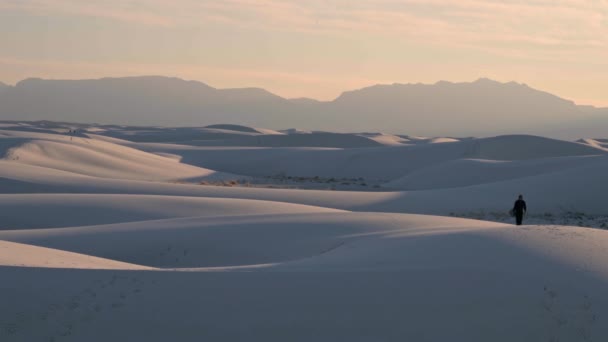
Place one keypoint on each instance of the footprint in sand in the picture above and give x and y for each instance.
(83, 305)
(66, 330)
(10, 329)
(587, 319)
(23, 318)
(74, 303)
(89, 292)
(117, 305)
(549, 305)
(54, 308)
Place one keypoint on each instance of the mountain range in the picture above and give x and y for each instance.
(480, 108)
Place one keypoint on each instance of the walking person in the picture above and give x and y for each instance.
(519, 209)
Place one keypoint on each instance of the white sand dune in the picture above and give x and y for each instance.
(64, 210)
(235, 240)
(582, 189)
(99, 242)
(597, 143)
(95, 158)
(522, 147)
(386, 139)
(109, 139)
(372, 163)
(185, 134)
(295, 131)
(20, 255)
(465, 172)
(237, 128)
(443, 140)
(314, 139)
(176, 135)
(240, 128)
(367, 274)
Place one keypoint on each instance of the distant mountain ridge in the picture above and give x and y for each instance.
(483, 107)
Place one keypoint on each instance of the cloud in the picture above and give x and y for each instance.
(117, 10)
(538, 27)
(541, 22)
(554, 35)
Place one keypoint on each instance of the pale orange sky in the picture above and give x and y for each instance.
(314, 48)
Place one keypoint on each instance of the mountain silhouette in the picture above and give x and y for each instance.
(483, 107)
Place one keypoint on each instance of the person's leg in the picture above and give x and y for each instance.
(519, 219)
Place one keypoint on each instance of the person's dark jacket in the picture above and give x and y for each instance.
(519, 207)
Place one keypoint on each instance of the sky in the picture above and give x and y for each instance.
(313, 48)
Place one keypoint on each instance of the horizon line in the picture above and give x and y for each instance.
(477, 80)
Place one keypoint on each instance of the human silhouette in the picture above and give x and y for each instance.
(519, 209)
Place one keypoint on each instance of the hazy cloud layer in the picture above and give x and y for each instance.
(577, 23)
(561, 38)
